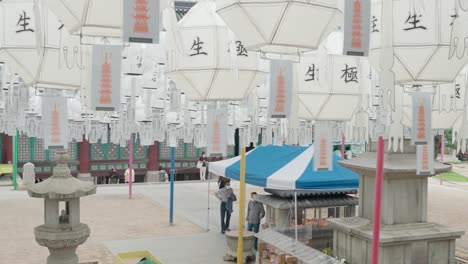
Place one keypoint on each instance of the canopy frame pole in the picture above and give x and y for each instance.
(240, 234)
(295, 215)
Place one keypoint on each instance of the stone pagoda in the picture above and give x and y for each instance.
(62, 231)
(405, 236)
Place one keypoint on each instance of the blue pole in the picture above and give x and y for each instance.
(171, 208)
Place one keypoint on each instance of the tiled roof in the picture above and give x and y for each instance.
(182, 7)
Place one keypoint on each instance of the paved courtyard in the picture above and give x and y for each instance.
(119, 224)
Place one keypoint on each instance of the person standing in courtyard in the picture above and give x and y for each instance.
(112, 175)
(163, 176)
(227, 197)
(255, 213)
(127, 174)
(202, 162)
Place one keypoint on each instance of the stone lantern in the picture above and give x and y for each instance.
(62, 231)
(406, 235)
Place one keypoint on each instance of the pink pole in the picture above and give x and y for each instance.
(130, 166)
(342, 145)
(378, 201)
(442, 150)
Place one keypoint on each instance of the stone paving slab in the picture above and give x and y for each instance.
(206, 248)
(110, 217)
(120, 223)
(447, 206)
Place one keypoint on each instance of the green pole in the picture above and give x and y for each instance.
(15, 159)
(31, 148)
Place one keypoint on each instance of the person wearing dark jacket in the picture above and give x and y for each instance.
(113, 174)
(255, 213)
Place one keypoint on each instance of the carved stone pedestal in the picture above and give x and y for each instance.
(406, 237)
(248, 246)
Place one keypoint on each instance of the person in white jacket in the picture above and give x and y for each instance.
(127, 174)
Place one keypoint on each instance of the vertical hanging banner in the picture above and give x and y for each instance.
(421, 130)
(174, 97)
(172, 139)
(105, 81)
(280, 88)
(323, 155)
(357, 27)
(216, 131)
(141, 21)
(55, 120)
(425, 158)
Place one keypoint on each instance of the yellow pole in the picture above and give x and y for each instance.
(240, 235)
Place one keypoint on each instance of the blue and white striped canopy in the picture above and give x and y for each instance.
(286, 168)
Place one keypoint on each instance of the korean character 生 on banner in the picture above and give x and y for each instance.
(421, 130)
(425, 158)
(323, 155)
(280, 88)
(216, 131)
(141, 21)
(55, 120)
(357, 27)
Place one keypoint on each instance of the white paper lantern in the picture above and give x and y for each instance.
(330, 87)
(421, 41)
(448, 104)
(35, 45)
(99, 18)
(284, 26)
(202, 69)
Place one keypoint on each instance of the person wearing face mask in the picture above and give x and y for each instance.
(227, 197)
(255, 213)
(202, 162)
